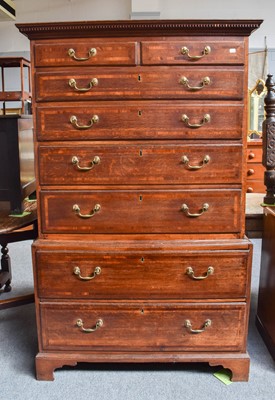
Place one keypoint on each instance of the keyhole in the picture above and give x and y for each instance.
(142, 259)
(139, 113)
(139, 77)
(140, 153)
(140, 198)
(142, 311)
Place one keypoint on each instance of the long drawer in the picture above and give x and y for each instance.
(141, 82)
(143, 274)
(139, 163)
(143, 326)
(139, 120)
(141, 211)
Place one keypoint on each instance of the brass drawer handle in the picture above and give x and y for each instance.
(205, 52)
(93, 120)
(77, 272)
(185, 209)
(92, 52)
(205, 81)
(80, 323)
(93, 82)
(206, 118)
(185, 160)
(95, 161)
(188, 325)
(95, 210)
(191, 274)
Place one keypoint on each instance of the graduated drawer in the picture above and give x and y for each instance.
(162, 210)
(74, 52)
(143, 326)
(143, 274)
(136, 83)
(139, 163)
(193, 51)
(139, 120)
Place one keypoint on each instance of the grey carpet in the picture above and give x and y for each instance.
(18, 346)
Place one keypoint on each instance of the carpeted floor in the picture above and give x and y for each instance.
(18, 346)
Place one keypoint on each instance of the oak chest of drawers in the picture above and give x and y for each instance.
(140, 160)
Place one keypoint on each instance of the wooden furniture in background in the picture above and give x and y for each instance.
(255, 168)
(23, 94)
(15, 229)
(17, 178)
(141, 131)
(265, 318)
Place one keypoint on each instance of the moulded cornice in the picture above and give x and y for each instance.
(141, 28)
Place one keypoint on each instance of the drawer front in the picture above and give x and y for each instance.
(85, 53)
(255, 172)
(193, 51)
(147, 274)
(141, 211)
(139, 120)
(254, 154)
(140, 327)
(255, 187)
(146, 83)
(139, 164)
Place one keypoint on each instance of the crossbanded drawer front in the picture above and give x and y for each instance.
(141, 211)
(146, 83)
(141, 163)
(143, 326)
(193, 51)
(72, 274)
(139, 120)
(81, 53)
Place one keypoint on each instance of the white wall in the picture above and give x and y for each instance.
(68, 10)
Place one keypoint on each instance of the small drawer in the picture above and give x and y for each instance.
(161, 210)
(254, 186)
(255, 172)
(139, 163)
(193, 51)
(185, 274)
(90, 52)
(139, 120)
(141, 83)
(254, 154)
(143, 326)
